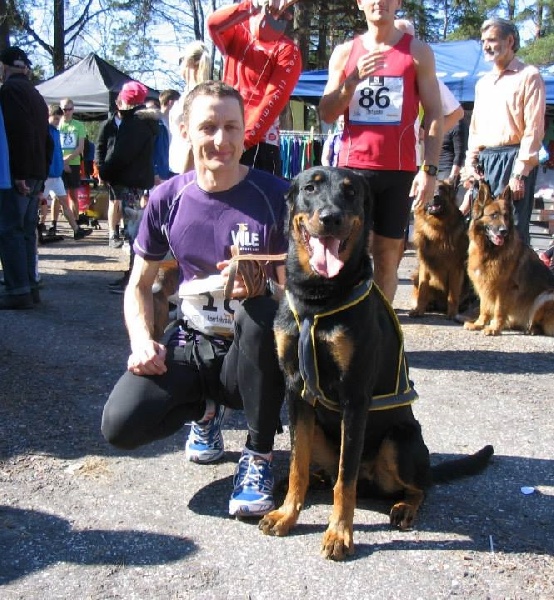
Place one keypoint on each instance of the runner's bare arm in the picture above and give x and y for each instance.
(147, 356)
(429, 95)
(423, 187)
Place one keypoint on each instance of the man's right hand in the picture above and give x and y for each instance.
(274, 7)
(21, 186)
(369, 63)
(147, 358)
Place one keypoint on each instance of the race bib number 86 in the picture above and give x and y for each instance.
(377, 101)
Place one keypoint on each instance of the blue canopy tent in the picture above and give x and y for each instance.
(459, 65)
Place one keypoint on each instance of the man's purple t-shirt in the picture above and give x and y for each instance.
(199, 227)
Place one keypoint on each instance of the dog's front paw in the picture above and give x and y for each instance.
(277, 522)
(492, 330)
(402, 515)
(338, 541)
(475, 326)
(416, 312)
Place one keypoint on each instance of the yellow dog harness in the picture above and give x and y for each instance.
(403, 393)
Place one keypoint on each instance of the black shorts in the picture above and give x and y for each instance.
(129, 197)
(72, 179)
(391, 201)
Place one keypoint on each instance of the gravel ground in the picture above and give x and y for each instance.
(79, 519)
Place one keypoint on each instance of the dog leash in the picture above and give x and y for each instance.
(234, 264)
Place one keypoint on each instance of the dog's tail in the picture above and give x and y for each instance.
(542, 314)
(462, 467)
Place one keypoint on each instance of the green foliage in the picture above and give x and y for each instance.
(539, 52)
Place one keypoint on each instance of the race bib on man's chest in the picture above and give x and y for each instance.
(69, 139)
(203, 305)
(377, 101)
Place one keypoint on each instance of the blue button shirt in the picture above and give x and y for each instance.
(5, 178)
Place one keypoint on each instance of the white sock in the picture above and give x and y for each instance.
(268, 456)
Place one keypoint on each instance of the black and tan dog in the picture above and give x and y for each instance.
(440, 239)
(515, 288)
(347, 386)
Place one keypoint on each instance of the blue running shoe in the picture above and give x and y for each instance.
(253, 487)
(205, 442)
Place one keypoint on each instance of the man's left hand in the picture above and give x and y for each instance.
(239, 289)
(423, 188)
(518, 188)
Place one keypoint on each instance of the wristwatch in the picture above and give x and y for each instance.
(429, 169)
(519, 176)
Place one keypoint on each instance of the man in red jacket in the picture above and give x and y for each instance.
(264, 65)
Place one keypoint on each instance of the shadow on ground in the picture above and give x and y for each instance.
(33, 540)
(474, 508)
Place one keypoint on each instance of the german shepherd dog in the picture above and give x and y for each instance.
(165, 286)
(440, 239)
(341, 351)
(515, 288)
(167, 278)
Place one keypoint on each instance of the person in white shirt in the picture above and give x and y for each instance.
(195, 68)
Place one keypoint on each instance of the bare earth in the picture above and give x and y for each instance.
(79, 519)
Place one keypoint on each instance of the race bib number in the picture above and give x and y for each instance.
(69, 140)
(377, 101)
(203, 305)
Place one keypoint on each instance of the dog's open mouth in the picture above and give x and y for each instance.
(497, 239)
(324, 253)
(433, 208)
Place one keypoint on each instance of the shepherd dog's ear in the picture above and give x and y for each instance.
(484, 196)
(507, 195)
(290, 197)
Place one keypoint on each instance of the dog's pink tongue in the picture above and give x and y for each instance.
(499, 240)
(325, 259)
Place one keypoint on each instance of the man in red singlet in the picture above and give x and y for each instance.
(264, 65)
(377, 81)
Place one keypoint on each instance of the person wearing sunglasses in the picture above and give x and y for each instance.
(72, 135)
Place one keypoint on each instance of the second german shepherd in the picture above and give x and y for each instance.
(515, 288)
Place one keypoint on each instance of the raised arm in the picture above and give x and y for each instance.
(280, 86)
(340, 85)
(222, 21)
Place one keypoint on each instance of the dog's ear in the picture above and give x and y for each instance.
(290, 197)
(507, 195)
(362, 186)
(483, 197)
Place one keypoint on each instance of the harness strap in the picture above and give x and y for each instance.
(403, 393)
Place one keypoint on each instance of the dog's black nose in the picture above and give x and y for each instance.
(330, 218)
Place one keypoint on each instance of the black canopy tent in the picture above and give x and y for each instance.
(92, 84)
